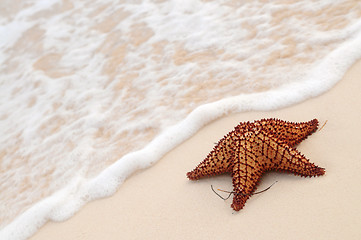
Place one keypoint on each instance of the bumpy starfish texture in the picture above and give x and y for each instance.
(253, 148)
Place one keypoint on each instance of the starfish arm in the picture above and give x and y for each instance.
(291, 160)
(279, 156)
(289, 132)
(218, 161)
(245, 177)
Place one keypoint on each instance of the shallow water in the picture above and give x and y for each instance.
(85, 83)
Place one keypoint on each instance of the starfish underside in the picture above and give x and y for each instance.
(253, 148)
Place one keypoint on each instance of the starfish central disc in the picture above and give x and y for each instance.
(253, 148)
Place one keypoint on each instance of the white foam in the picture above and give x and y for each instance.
(82, 95)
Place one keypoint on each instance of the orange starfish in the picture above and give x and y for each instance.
(253, 148)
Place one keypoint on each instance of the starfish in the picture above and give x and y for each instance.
(254, 148)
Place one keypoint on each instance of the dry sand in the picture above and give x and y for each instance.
(160, 203)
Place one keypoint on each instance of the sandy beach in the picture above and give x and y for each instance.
(161, 203)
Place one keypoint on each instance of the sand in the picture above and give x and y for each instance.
(161, 203)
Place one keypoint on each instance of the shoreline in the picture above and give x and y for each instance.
(160, 202)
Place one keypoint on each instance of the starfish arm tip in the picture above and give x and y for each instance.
(191, 176)
(320, 171)
(239, 201)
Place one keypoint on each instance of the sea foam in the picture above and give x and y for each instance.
(92, 91)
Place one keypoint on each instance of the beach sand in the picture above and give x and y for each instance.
(161, 203)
